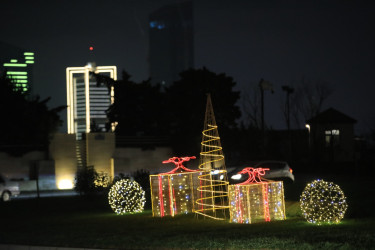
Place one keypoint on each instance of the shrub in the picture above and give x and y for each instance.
(88, 181)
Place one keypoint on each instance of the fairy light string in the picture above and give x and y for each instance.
(161, 198)
(266, 206)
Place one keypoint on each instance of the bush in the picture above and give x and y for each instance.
(143, 178)
(88, 181)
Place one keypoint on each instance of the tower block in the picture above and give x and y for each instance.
(213, 190)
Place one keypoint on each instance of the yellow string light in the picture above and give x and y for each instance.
(213, 193)
(323, 202)
(102, 180)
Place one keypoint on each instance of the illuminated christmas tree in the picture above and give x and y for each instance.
(213, 189)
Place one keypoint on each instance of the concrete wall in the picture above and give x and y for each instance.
(62, 150)
(130, 159)
(19, 167)
(59, 172)
(100, 149)
(26, 168)
(100, 152)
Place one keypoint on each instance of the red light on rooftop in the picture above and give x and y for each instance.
(290, 170)
(91, 48)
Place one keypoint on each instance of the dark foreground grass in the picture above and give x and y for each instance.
(83, 222)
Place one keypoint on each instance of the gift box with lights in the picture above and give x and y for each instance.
(174, 192)
(256, 199)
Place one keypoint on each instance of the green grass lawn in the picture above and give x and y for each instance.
(89, 222)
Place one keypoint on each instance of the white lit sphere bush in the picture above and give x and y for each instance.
(323, 202)
(126, 196)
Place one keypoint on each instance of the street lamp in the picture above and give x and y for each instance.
(288, 91)
(264, 85)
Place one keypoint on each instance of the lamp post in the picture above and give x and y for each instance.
(288, 90)
(264, 85)
(309, 129)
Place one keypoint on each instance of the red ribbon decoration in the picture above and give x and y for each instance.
(178, 162)
(254, 175)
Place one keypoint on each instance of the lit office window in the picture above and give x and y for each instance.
(332, 137)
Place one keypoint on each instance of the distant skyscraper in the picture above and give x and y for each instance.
(18, 66)
(171, 44)
(86, 101)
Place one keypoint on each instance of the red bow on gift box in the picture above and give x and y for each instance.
(254, 175)
(178, 162)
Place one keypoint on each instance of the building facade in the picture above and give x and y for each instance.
(87, 102)
(98, 152)
(171, 44)
(331, 136)
(18, 66)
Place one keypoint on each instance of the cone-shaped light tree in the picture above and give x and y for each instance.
(213, 190)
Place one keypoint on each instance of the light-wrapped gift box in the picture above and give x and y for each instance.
(256, 199)
(175, 192)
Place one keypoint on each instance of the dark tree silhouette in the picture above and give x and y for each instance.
(178, 112)
(251, 107)
(27, 123)
(137, 107)
(187, 102)
(85, 181)
(308, 100)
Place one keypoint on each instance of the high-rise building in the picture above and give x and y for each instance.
(171, 44)
(87, 102)
(18, 66)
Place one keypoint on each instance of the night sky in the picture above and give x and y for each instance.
(280, 41)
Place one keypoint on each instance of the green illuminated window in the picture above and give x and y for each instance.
(16, 73)
(15, 64)
(29, 62)
(21, 81)
(28, 53)
(13, 60)
(18, 77)
(29, 57)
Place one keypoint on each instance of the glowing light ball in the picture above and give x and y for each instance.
(126, 196)
(323, 202)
